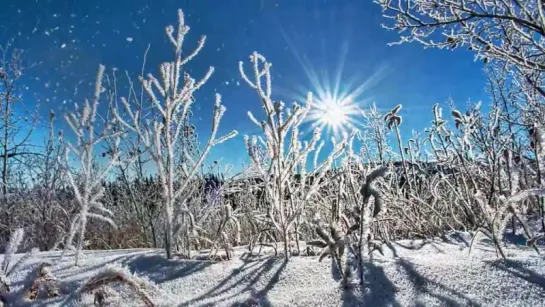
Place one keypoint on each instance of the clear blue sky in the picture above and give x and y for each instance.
(69, 38)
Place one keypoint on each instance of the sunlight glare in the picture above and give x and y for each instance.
(337, 114)
(331, 113)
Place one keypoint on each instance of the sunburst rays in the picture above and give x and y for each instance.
(338, 99)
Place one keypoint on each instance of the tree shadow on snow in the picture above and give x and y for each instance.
(243, 279)
(159, 269)
(456, 238)
(517, 269)
(509, 238)
(377, 289)
(67, 268)
(423, 285)
(414, 245)
(518, 239)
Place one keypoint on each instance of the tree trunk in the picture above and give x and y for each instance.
(153, 234)
(81, 236)
(5, 147)
(168, 239)
(286, 245)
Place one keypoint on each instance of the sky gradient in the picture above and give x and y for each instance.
(68, 39)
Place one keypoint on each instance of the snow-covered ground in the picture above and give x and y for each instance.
(432, 274)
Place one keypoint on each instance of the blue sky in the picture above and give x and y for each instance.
(69, 38)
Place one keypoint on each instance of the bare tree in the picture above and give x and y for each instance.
(16, 126)
(133, 171)
(376, 129)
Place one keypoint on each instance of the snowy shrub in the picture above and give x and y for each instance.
(507, 36)
(172, 97)
(111, 275)
(9, 267)
(334, 243)
(497, 219)
(337, 238)
(284, 154)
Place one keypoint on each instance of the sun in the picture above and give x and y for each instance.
(335, 114)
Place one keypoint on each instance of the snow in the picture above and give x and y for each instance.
(434, 273)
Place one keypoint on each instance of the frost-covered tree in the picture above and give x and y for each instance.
(508, 33)
(375, 130)
(285, 154)
(171, 97)
(87, 180)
